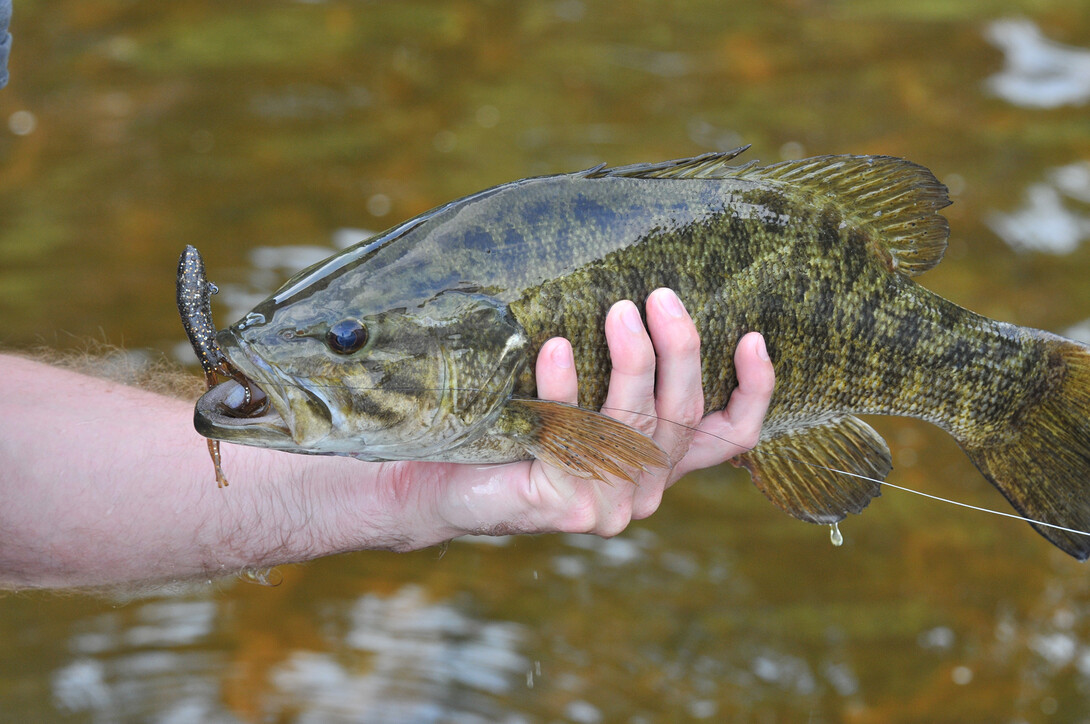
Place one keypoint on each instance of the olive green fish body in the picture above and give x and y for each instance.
(846, 335)
(420, 343)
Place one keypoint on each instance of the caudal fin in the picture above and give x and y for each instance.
(1044, 468)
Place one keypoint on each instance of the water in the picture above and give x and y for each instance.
(269, 135)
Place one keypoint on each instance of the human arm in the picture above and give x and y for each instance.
(104, 484)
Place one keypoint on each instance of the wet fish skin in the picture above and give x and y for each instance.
(816, 254)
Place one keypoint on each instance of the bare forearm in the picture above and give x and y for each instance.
(104, 484)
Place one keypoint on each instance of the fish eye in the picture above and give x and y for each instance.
(346, 336)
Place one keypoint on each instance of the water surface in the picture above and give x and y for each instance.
(270, 133)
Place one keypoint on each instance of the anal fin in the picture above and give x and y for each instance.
(583, 442)
(803, 471)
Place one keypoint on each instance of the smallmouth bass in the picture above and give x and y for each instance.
(419, 344)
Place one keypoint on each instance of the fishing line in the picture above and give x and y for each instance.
(781, 455)
(864, 477)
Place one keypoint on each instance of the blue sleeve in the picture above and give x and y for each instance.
(5, 40)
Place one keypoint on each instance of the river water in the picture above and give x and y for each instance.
(271, 133)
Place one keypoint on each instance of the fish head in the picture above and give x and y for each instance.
(401, 383)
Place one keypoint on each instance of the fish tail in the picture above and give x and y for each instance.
(1041, 462)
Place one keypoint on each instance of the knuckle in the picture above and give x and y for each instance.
(691, 411)
(640, 361)
(614, 525)
(633, 365)
(747, 436)
(581, 516)
(646, 505)
(400, 491)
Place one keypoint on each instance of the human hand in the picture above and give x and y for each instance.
(655, 386)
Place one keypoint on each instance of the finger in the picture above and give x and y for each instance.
(631, 396)
(679, 397)
(555, 372)
(607, 508)
(722, 435)
(679, 392)
(756, 380)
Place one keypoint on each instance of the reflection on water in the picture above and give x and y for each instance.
(386, 658)
(1054, 216)
(271, 134)
(1038, 72)
(141, 662)
(405, 659)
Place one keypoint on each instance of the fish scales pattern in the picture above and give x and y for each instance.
(844, 334)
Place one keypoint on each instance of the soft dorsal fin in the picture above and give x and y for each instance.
(897, 200)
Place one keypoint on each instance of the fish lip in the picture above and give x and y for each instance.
(271, 428)
(211, 419)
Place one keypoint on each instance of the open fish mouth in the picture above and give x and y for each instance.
(262, 413)
(236, 411)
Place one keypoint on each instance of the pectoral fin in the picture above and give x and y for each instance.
(585, 443)
(803, 471)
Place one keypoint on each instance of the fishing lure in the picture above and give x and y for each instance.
(195, 307)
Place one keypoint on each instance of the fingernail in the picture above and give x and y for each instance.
(762, 351)
(562, 356)
(631, 318)
(672, 304)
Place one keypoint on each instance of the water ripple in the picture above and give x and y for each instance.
(1038, 72)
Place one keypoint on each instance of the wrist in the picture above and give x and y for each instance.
(305, 507)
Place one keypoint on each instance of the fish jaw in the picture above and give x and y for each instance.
(295, 419)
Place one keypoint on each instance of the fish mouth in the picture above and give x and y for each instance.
(222, 414)
(260, 405)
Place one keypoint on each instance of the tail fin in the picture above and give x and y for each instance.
(1044, 468)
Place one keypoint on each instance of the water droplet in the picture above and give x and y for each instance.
(22, 123)
(379, 205)
(262, 576)
(835, 536)
(962, 675)
(488, 116)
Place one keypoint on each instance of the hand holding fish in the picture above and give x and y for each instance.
(654, 387)
(106, 484)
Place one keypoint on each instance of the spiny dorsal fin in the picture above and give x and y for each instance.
(587, 444)
(895, 199)
(797, 470)
(707, 166)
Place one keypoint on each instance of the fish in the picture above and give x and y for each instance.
(420, 343)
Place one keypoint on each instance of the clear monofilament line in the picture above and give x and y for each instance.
(970, 506)
(880, 482)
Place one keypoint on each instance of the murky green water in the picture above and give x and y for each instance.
(256, 130)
